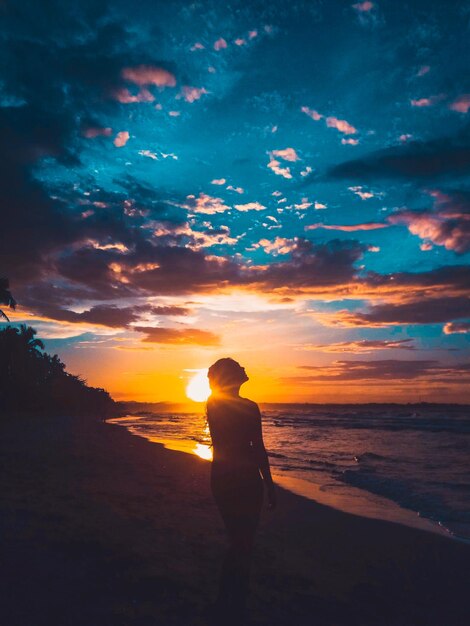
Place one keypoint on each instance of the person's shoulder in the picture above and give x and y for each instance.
(250, 404)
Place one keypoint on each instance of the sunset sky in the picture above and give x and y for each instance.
(286, 183)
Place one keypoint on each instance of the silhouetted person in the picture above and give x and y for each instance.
(239, 465)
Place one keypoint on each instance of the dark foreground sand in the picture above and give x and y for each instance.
(99, 528)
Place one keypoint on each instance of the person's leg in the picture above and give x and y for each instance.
(241, 518)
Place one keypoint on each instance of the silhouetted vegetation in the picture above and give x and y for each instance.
(32, 381)
(6, 297)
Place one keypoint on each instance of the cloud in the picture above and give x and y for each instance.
(384, 370)
(121, 138)
(214, 237)
(341, 125)
(239, 190)
(461, 104)
(108, 315)
(363, 7)
(124, 96)
(427, 102)
(206, 204)
(363, 195)
(280, 245)
(456, 328)
(311, 113)
(415, 160)
(149, 154)
(424, 69)
(220, 44)
(191, 94)
(421, 311)
(448, 224)
(288, 154)
(250, 206)
(363, 345)
(218, 181)
(178, 336)
(332, 122)
(91, 132)
(275, 166)
(351, 228)
(148, 75)
(351, 142)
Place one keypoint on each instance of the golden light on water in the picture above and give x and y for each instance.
(198, 387)
(203, 451)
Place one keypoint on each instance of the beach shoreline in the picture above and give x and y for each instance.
(101, 527)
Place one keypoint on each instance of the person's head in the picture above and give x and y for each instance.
(226, 376)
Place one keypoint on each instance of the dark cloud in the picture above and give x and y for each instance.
(426, 311)
(111, 315)
(384, 370)
(416, 161)
(178, 336)
(453, 328)
(364, 345)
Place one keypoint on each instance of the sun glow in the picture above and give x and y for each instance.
(198, 387)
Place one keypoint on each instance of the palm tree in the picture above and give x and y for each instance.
(6, 297)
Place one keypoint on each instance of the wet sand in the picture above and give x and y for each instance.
(103, 528)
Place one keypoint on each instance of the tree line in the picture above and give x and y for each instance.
(32, 381)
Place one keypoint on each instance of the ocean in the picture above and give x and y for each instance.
(405, 463)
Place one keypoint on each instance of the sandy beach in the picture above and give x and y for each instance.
(103, 528)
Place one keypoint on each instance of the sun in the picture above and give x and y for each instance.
(198, 387)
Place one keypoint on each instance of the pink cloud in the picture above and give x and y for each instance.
(191, 94)
(351, 142)
(351, 228)
(305, 204)
(288, 154)
(121, 139)
(252, 34)
(363, 7)
(332, 122)
(174, 113)
(427, 102)
(363, 195)
(461, 104)
(235, 189)
(149, 154)
(275, 166)
(240, 42)
(341, 125)
(280, 245)
(197, 46)
(424, 69)
(218, 181)
(250, 206)
(149, 75)
(363, 345)
(220, 44)
(319, 205)
(453, 234)
(405, 137)
(124, 96)
(91, 132)
(311, 113)
(206, 204)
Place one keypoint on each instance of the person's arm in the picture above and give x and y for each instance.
(262, 458)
